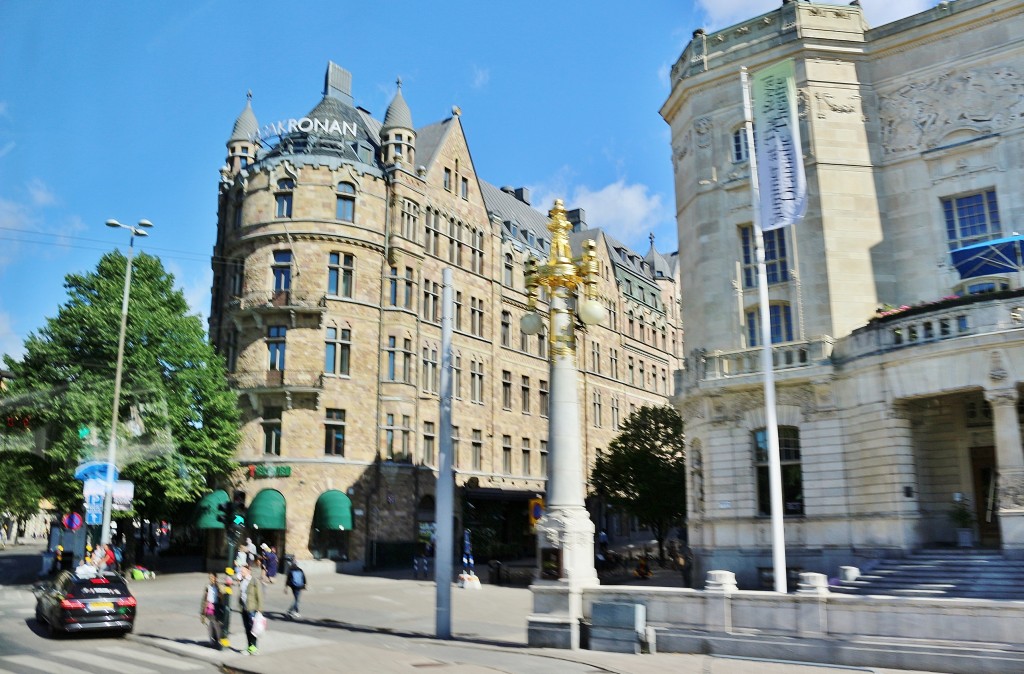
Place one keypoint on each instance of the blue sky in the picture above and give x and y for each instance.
(121, 110)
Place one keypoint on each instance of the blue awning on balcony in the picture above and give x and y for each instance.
(998, 256)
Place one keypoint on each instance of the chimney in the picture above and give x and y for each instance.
(523, 194)
(338, 83)
(578, 218)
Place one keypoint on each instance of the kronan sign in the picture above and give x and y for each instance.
(306, 125)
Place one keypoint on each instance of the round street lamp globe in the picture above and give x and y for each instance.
(531, 323)
(591, 312)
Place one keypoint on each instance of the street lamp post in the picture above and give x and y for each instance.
(108, 495)
(565, 534)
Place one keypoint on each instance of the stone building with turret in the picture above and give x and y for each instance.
(333, 231)
(897, 305)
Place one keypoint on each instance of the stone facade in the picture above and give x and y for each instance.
(912, 135)
(333, 239)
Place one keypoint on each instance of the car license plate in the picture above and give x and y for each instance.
(100, 604)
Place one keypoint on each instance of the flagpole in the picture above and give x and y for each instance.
(771, 421)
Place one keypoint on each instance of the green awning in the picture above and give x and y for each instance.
(207, 510)
(267, 510)
(333, 512)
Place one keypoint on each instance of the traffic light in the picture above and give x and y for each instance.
(238, 509)
(226, 513)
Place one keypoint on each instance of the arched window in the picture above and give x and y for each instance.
(792, 472)
(508, 271)
(284, 197)
(346, 210)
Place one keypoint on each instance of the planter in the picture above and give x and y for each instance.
(965, 538)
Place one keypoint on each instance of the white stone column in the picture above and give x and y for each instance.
(1009, 469)
(1009, 454)
(565, 530)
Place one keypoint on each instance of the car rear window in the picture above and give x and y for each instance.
(99, 587)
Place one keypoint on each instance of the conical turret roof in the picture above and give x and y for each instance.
(398, 115)
(246, 125)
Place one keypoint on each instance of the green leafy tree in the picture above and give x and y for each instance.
(644, 470)
(21, 485)
(178, 421)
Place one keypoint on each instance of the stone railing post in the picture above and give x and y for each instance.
(718, 589)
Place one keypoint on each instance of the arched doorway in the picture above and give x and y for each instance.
(332, 524)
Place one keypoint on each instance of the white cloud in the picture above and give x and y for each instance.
(722, 13)
(626, 211)
(6, 149)
(481, 76)
(40, 194)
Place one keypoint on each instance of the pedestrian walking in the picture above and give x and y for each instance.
(210, 609)
(297, 582)
(685, 561)
(250, 602)
(270, 563)
(250, 551)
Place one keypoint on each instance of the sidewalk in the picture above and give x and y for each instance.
(386, 624)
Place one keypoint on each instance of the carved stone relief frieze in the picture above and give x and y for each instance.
(920, 115)
(1011, 490)
(997, 371)
(703, 128)
(829, 103)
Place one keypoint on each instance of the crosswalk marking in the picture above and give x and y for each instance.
(32, 662)
(122, 667)
(163, 661)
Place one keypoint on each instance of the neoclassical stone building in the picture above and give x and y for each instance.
(333, 231)
(900, 355)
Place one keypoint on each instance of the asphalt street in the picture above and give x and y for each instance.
(353, 623)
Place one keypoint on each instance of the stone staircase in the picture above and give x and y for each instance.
(964, 573)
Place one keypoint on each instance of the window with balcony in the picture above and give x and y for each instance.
(971, 218)
(346, 202)
(792, 472)
(781, 322)
(338, 347)
(334, 433)
(282, 270)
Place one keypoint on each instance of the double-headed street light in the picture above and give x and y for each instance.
(108, 495)
(565, 534)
